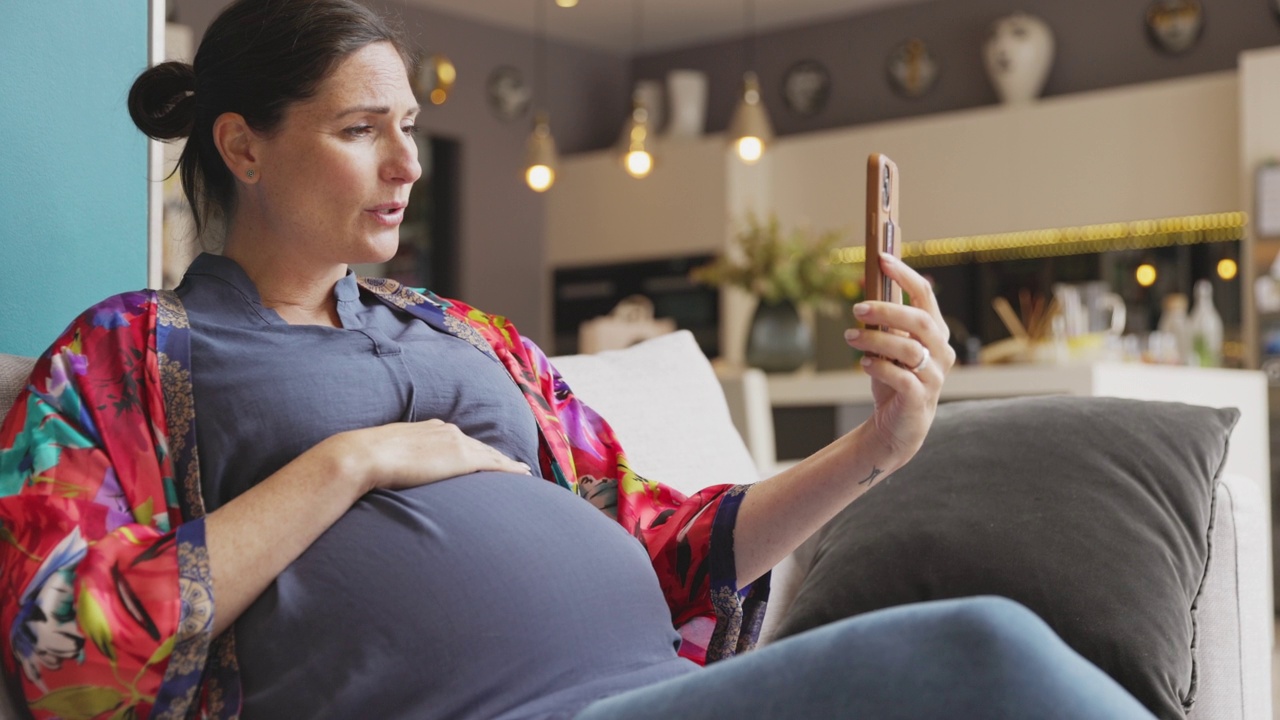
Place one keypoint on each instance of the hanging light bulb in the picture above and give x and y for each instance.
(540, 158)
(637, 138)
(750, 131)
(635, 145)
(540, 150)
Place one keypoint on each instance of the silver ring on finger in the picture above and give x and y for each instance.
(924, 361)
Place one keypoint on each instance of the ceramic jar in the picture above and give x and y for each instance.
(779, 341)
(687, 109)
(1018, 56)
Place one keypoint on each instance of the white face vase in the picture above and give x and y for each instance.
(1018, 56)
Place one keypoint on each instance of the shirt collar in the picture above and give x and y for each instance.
(230, 272)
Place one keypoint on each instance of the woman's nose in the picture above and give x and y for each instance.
(402, 166)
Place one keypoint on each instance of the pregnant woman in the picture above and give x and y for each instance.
(282, 491)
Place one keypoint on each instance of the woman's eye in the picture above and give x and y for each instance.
(359, 130)
(410, 130)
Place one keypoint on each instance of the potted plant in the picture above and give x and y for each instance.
(787, 272)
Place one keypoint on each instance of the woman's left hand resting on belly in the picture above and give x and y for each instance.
(253, 538)
(906, 378)
(408, 454)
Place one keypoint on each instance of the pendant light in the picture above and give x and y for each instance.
(540, 155)
(635, 145)
(750, 131)
(540, 150)
(637, 137)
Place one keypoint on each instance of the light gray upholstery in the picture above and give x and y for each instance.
(14, 370)
(1233, 648)
(13, 376)
(1219, 690)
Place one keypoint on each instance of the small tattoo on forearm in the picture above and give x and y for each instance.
(870, 479)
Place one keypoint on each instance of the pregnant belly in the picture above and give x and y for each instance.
(463, 598)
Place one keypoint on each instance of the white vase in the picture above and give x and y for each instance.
(1018, 55)
(687, 111)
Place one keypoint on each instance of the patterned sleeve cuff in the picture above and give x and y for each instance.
(195, 625)
(739, 611)
(722, 564)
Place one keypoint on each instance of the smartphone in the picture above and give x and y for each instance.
(883, 232)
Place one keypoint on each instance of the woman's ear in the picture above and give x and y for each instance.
(238, 145)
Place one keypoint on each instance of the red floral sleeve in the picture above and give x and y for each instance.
(104, 596)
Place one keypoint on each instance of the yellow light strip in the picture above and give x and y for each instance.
(1138, 235)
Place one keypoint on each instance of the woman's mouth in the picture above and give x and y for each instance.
(390, 214)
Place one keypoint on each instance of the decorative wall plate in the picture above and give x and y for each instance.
(912, 69)
(1175, 26)
(806, 87)
(509, 95)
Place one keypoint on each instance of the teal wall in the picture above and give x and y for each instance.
(73, 169)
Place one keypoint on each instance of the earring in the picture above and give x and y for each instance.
(250, 174)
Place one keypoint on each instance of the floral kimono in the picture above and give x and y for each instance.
(106, 599)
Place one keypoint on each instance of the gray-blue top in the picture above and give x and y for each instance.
(490, 595)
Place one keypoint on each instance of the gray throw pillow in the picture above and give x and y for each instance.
(1093, 512)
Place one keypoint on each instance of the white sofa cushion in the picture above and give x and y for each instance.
(666, 405)
(662, 399)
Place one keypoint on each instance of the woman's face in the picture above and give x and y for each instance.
(336, 173)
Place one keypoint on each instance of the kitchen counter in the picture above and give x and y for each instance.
(850, 392)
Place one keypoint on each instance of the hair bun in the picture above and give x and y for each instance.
(162, 101)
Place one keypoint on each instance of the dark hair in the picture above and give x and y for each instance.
(257, 58)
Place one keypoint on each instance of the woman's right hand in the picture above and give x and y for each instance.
(408, 454)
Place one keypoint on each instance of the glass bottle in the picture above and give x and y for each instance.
(1173, 322)
(1206, 328)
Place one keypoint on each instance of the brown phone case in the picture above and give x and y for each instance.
(884, 235)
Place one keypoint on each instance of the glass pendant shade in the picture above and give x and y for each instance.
(636, 143)
(750, 130)
(433, 79)
(540, 158)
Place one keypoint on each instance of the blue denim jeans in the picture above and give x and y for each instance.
(974, 658)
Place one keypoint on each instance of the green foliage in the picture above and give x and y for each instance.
(776, 266)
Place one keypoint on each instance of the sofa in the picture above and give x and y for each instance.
(669, 409)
